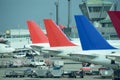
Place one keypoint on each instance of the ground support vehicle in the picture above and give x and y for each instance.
(73, 73)
(19, 55)
(14, 73)
(5, 63)
(17, 63)
(87, 70)
(105, 72)
(58, 63)
(56, 73)
(29, 72)
(35, 63)
(42, 73)
(9, 73)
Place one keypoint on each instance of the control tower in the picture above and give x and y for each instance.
(95, 10)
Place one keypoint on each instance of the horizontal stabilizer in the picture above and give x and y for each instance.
(36, 33)
(55, 35)
(90, 38)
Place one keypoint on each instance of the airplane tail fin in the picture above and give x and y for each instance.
(36, 33)
(90, 38)
(55, 36)
(115, 18)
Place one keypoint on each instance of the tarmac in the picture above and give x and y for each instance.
(71, 65)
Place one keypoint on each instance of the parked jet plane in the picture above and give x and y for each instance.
(95, 47)
(59, 43)
(89, 43)
(115, 18)
(39, 39)
(5, 48)
(84, 56)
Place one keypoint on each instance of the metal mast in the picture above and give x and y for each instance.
(57, 7)
(68, 14)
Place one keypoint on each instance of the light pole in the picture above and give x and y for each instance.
(57, 7)
(67, 30)
(68, 14)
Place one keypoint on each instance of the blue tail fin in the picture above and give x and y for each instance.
(90, 38)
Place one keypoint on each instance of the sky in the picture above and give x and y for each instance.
(15, 13)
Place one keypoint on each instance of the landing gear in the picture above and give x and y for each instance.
(112, 62)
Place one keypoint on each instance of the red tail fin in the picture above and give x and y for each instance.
(115, 18)
(55, 35)
(36, 33)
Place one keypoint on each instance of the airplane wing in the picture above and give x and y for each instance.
(115, 57)
(45, 50)
(51, 51)
(36, 48)
(83, 55)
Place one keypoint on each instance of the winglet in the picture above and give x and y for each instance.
(115, 18)
(55, 36)
(36, 33)
(90, 38)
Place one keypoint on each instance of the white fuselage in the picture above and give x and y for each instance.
(87, 56)
(97, 57)
(100, 54)
(115, 43)
(63, 51)
(6, 49)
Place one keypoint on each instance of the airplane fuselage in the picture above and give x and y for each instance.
(97, 57)
(6, 49)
